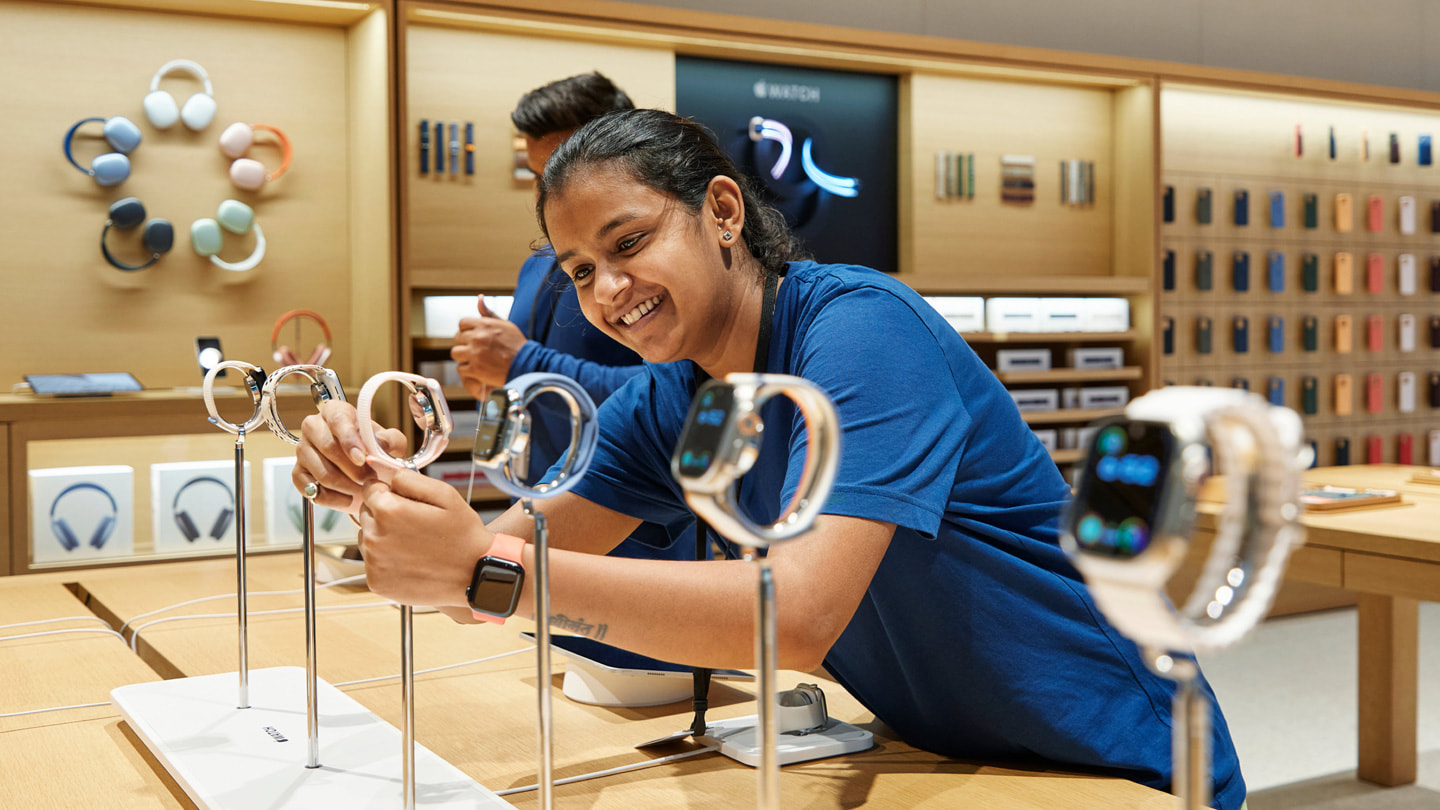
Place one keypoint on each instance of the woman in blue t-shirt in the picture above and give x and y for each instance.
(932, 588)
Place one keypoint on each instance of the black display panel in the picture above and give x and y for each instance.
(1119, 495)
(820, 144)
(704, 428)
(488, 439)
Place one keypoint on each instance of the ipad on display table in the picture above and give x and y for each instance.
(604, 656)
(83, 385)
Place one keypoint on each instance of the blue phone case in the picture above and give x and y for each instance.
(1242, 207)
(1277, 209)
(1241, 333)
(1167, 276)
(1240, 271)
(1275, 271)
(1275, 391)
(1424, 150)
(1277, 334)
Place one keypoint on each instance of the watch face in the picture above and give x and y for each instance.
(700, 441)
(1117, 502)
(490, 439)
(495, 587)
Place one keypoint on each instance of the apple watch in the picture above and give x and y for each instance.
(324, 386)
(721, 440)
(494, 588)
(254, 378)
(503, 436)
(431, 412)
(1128, 528)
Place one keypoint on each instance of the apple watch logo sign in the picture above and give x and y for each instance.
(276, 735)
(804, 93)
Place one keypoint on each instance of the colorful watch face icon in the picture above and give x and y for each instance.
(1119, 492)
(705, 428)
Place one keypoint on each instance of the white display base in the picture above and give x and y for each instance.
(240, 759)
(744, 745)
(622, 688)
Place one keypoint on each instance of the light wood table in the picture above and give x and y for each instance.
(481, 717)
(1390, 557)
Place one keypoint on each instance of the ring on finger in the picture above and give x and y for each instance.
(311, 490)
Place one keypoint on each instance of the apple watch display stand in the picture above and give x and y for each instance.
(1190, 729)
(244, 758)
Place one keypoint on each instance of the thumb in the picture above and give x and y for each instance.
(484, 310)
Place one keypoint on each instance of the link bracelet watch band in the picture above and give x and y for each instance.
(499, 576)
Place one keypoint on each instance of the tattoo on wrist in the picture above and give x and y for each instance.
(579, 627)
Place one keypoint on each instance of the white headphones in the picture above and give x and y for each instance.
(160, 106)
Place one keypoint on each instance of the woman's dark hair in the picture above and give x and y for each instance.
(568, 104)
(674, 156)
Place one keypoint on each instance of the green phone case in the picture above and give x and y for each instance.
(1310, 273)
(1309, 395)
(1204, 277)
(1203, 206)
(1312, 211)
(1310, 333)
(1202, 335)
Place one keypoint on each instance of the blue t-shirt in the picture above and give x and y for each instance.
(976, 638)
(561, 341)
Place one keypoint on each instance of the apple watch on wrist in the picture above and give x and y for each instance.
(1128, 528)
(721, 440)
(495, 586)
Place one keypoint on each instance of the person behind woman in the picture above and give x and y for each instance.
(932, 587)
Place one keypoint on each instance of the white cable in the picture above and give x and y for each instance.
(436, 669)
(612, 771)
(330, 584)
(71, 630)
(55, 621)
(135, 633)
(55, 709)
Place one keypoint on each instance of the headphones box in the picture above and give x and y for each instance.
(443, 312)
(79, 514)
(1013, 315)
(1037, 399)
(1022, 360)
(192, 506)
(283, 514)
(1063, 314)
(963, 313)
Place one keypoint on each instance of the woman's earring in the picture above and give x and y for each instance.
(726, 236)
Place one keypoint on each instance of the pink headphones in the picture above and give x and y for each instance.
(284, 355)
(247, 173)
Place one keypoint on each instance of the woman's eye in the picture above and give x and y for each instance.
(628, 242)
(580, 274)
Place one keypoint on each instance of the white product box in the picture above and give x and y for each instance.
(1104, 396)
(447, 372)
(192, 506)
(1070, 397)
(1012, 314)
(82, 513)
(443, 312)
(283, 515)
(457, 474)
(1049, 438)
(1063, 314)
(1022, 360)
(1037, 399)
(1106, 358)
(1107, 315)
(1075, 438)
(963, 313)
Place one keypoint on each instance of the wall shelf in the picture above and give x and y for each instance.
(1064, 375)
(1064, 416)
(1051, 337)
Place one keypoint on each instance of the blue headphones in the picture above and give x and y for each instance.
(222, 520)
(110, 168)
(157, 237)
(66, 535)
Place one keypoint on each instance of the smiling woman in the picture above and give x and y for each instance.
(933, 586)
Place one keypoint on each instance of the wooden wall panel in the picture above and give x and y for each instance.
(472, 232)
(62, 308)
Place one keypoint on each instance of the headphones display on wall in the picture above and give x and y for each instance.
(102, 532)
(198, 110)
(207, 237)
(110, 168)
(186, 524)
(284, 355)
(248, 173)
(157, 237)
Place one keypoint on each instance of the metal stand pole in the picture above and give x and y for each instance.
(407, 705)
(241, 611)
(541, 584)
(1191, 729)
(767, 658)
(312, 710)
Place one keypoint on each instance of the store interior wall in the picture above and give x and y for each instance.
(1381, 42)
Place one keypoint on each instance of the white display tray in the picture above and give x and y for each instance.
(248, 759)
(740, 742)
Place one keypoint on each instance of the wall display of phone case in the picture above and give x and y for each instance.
(1300, 258)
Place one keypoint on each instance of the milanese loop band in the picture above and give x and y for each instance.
(324, 386)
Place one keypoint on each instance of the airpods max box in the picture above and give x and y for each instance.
(1037, 399)
(192, 506)
(1107, 315)
(1022, 360)
(443, 312)
(1063, 314)
(1013, 315)
(964, 313)
(283, 513)
(82, 513)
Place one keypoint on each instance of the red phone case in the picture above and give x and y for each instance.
(1375, 394)
(1375, 452)
(1406, 449)
(1377, 213)
(1375, 273)
(1376, 338)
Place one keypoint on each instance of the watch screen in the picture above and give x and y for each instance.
(1119, 492)
(496, 587)
(704, 428)
(490, 438)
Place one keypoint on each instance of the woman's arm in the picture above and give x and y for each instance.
(421, 543)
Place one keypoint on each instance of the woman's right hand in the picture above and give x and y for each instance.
(331, 456)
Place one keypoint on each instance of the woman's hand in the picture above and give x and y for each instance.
(331, 456)
(420, 540)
